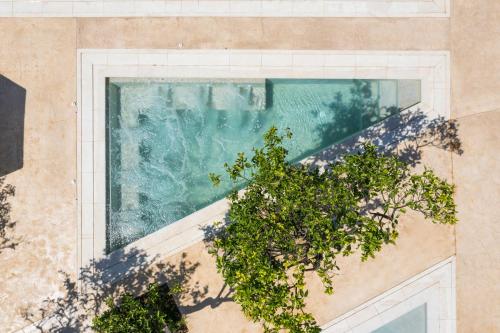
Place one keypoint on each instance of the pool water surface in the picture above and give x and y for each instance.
(165, 136)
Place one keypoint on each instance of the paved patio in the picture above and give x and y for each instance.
(39, 55)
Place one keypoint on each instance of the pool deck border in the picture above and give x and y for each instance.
(241, 8)
(435, 287)
(94, 66)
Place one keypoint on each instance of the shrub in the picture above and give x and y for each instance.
(150, 313)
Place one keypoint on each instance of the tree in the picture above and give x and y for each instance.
(150, 313)
(293, 218)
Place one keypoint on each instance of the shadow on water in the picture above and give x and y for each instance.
(357, 119)
(403, 132)
(404, 135)
(80, 300)
(12, 105)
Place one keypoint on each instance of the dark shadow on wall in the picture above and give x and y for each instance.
(12, 105)
(73, 310)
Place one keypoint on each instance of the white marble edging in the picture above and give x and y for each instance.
(434, 287)
(244, 8)
(431, 67)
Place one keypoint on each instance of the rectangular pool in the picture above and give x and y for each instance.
(165, 136)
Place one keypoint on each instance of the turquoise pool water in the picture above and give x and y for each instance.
(414, 321)
(164, 137)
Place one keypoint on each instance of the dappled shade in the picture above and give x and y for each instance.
(7, 240)
(85, 297)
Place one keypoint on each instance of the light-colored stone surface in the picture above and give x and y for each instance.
(265, 33)
(251, 8)
(40, 55)
(433, 288)
(478, 250)
(475, 64)
(212, 312)
(475, 51)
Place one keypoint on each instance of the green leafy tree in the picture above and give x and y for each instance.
(150, 313)
(294, 218)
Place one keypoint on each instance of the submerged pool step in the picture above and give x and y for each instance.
(251, 97)
(224, 96)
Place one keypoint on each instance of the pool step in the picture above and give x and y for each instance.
(249, 96)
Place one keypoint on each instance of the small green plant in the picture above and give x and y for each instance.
(150, 313)
(294, 218)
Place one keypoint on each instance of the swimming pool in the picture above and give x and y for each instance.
(413, 321)
(164, 136)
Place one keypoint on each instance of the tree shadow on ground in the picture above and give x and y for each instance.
(404, 133)
(7, 225)
(83, 298)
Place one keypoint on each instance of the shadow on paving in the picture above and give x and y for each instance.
(12, 109)
(404, 133)
(73, 310)
(7, 225)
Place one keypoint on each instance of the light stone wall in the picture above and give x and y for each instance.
(40, 55)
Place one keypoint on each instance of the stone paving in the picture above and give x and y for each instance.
(39, 55)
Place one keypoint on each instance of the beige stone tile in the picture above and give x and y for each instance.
(278, 33)
(213, 312)
(421, 241)
(42, 54)
(475, 56)
(478, 249)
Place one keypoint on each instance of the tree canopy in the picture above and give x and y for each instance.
(150, 313)
(293, 218)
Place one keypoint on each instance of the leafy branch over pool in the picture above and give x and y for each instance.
(294, 218)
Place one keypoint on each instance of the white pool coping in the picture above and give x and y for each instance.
(435, 287)
(241, 8)
(431, 67)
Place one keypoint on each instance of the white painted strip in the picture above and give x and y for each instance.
(240, 8)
